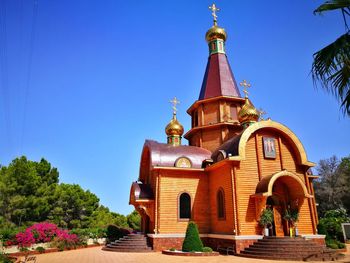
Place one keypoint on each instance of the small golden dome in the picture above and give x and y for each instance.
(215, 32)
(174, 127)
(248, 113)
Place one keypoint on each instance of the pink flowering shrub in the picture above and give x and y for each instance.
(45, 232)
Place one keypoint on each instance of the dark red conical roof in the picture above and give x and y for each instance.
(218, 79)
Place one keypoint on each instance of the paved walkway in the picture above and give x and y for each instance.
(96, 255)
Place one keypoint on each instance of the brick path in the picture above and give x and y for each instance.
(96, 255)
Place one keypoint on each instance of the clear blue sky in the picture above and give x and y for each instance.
(94, 79)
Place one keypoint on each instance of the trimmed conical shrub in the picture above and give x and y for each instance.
(192, 241)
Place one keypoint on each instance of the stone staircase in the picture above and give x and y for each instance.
(129, 243)
(286, 248)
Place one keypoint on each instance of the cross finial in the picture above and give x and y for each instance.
(214, 9)
(174, 101)
(261, 114)
(245, 85)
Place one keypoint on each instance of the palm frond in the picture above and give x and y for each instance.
(332, 5)
(331, 68)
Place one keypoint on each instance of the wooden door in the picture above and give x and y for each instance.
(277, 216)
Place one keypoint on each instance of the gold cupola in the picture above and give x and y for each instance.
(215, 32)
(174, 129)
(248, 114)
(216, 36)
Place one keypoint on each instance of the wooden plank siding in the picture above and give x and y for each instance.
(268, 166)
(221, 178)
(247, 179)
(305, 220)
(211, 113)
(211, 139)
(173, 183)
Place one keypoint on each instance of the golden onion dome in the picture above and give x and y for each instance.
(174, 127)
(248, 113)
(215, 32)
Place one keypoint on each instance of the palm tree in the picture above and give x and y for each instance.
(331, 66)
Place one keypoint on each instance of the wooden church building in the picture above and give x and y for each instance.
(234, 166)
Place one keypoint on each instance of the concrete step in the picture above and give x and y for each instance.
(277, 248)
(127, 250)
(129, 243)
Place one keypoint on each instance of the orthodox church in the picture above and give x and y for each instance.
(235, 165)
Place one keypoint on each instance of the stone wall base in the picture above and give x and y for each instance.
(159, 244)
(163, 243)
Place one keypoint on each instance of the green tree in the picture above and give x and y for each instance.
(134, 220)
(192, 241)
(72, 206)
(25, 190)
(332, 187)
(331, 65)
(102, 217)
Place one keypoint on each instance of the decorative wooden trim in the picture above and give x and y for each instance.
(219, 236)
(156, 218)
(159, 196)
(280, 151)
(238, 229)
(233, 201)
(202, 116)
(177, 168)
(271, 179)
(197, 103)
(276, 126)
(257, 155)
(314, 204)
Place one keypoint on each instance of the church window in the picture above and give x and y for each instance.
(195, 119)
(185, 206)
(221, 204)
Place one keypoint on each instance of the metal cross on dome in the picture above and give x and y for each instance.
(214, 9)
(245, 85)
(261, 114)
(174, 101)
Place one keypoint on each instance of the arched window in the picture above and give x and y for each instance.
(220, 204)
(185, 206)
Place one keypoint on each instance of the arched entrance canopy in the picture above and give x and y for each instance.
(295, 142)
(265, 186)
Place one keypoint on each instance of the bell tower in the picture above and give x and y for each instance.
(215, 114)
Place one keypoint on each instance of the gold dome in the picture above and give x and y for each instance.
(215, 32)
(248, 113)
(174, 127)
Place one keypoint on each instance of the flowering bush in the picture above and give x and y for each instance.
(45, 232)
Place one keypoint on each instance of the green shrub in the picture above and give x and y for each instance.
(4, 258)
(334, 244)
(192, 240)
(40, 249)
(330, 224)
(172, 249)
(207, 249)
(60, 247)
(8, 234)
(341, 245)
(266, 218)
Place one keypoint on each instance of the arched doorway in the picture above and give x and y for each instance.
(283, 192)
(280, 201)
